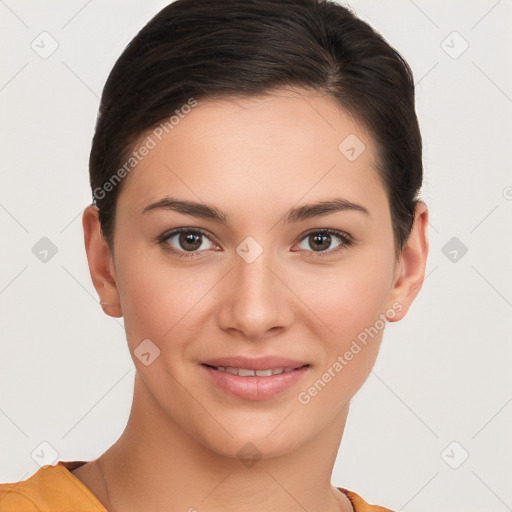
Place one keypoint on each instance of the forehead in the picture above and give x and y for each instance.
(270, 149)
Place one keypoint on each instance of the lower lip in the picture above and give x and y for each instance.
(255, 388)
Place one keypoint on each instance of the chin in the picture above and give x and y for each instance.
(252, 444)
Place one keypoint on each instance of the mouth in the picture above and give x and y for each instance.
(248, 372)
(261, 383)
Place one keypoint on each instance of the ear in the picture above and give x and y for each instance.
(410, 269)
(101, 263)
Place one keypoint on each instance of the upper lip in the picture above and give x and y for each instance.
(255, 363)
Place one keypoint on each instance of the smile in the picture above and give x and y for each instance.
(251, 384)
(247, 372)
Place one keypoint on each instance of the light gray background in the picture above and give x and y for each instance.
(444, 372)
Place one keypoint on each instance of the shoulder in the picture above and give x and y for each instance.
(14, 499)
(361, 505)
(50, 489)
(23, 496)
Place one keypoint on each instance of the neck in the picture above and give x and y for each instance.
(156, 466)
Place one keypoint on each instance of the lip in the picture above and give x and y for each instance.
(254, 388)
(255, 363)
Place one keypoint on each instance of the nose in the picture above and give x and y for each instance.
(254, 299)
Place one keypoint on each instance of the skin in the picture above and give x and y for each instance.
(254, 160)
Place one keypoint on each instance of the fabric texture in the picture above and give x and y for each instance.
(53, 488)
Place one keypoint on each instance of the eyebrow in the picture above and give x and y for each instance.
(294, 215)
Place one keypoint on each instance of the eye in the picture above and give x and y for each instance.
(186, 242)
(320, 240)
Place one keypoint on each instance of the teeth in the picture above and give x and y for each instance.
(246, 372)
(264, 373)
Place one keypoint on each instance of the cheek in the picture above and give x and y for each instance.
(159, 300)
(350, 298)
(351, 304)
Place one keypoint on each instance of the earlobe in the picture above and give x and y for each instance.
(411, 267)
(101, 265)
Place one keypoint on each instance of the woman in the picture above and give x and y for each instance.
(256, 221)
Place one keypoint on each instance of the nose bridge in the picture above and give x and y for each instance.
(254, 303)
(255, 280)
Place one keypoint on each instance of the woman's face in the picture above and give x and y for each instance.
(255, 280)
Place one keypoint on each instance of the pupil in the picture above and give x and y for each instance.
(190, 239)
(322, 237)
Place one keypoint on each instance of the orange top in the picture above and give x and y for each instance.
(56, 489)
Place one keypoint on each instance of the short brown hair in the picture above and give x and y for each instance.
(209, 48)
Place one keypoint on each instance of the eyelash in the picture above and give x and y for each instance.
(346, 240)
